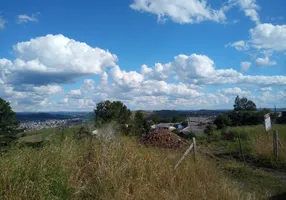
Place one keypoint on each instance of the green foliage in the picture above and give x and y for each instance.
(210, 129)
(140, 125)
(184, 124)
(282, 119)
(243, 104)
(242, 115)
(82, 133)
(232, 134)
(156, 119)
(222, 121)
(253, 179)
(242, 118)
(8, 123)
(107, 111)
(174, 119)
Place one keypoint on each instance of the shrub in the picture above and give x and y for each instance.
(82, 133)
(222, 121)
(210, 129)
(243, 135)
(232, 134)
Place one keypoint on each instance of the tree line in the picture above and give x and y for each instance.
(244, 113)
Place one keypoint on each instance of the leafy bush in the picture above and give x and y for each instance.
(82, 133)
(222, 121)
(243, 135)
(107, 111)
(232, 134)
(140, 125)
(8, 124)
(282, 119)
(210, 129)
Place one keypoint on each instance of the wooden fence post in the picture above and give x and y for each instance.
(275, 144)
(185, 154)
(194, 148)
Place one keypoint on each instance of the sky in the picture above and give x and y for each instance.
(149, 54)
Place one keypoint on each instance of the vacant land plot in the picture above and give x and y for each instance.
(124, 170)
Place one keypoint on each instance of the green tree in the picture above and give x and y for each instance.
(237, 105)
(156, 119)
(140, 124)
(210, 129)
(222, 121)
(107, 111)
(243, 104)
(8, 123)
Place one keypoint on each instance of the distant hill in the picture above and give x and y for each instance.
(191, 113)
(42, 116)
(184, 113)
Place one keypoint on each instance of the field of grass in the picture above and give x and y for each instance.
(121, 169)
(256, 169)
(262, 142)
(64, 168)
(255, 142)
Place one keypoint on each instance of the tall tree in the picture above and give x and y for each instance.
(140, 124)
(107, 111)
(237, 105)
(244, 104)
(8, 123)
(156, 119)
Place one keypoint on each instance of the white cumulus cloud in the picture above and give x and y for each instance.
(265, 89)
(250, 9)
(74, 94)
(264, 37)
(2, 22)
(239, 45)
(24, 18)
(48, 89)
(54, 59)
(245, 66)
(125, 79)
(234, 91)
(180, 11)
(263, 62)
(33, 80)
(268, 37)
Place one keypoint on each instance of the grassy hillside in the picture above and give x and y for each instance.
(65, 168)
(124, 170)
(256, 143)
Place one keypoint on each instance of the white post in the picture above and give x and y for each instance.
(195, 148)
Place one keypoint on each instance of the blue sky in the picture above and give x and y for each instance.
(150, 54)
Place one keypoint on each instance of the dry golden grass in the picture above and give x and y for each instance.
(261, 144)
(125, 170)
(264, 147)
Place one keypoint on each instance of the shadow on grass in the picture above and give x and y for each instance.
(281, 196)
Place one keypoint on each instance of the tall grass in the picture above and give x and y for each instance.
(261, 143)
(124, 170)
